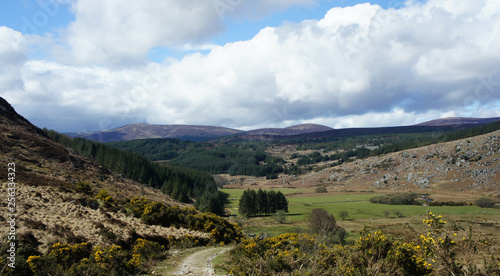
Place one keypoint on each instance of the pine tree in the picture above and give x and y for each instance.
(261, 200)
(183, 197)
(272, 202)
(176, 190)
(166, 188)
(281, 202)
(245, 202)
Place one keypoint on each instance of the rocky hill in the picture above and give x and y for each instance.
(56, 190)
(466, 168)
(469, 165)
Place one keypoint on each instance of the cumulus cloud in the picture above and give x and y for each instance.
(12, 55)
(118, 32)
(358, 66)
(115, 32)
(357, 60)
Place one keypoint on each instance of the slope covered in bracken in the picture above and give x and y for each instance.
(56, 191)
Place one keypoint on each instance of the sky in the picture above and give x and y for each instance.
(89, 65)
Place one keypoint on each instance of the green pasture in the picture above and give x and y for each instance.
(358, 207)
(235, 194)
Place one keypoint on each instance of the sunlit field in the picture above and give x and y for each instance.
(361, 212)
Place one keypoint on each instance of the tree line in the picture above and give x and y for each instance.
(182, 184)
(253, 203)
(232, 158)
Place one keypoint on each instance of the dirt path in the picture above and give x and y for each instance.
(200, 262)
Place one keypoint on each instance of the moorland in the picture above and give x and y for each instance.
(412, 200)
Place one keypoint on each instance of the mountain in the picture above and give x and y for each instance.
(292, 130)
(457, 121)
(56, 190)
(145, 131)
(188, 132)
(435, 126)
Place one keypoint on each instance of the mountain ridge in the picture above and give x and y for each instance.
(459, 121)
(199, 133)
(188, 132)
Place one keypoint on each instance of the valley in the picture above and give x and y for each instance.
(76, 196)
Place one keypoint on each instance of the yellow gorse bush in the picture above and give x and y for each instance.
(374, 253)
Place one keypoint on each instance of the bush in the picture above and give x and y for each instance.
(321, 190)
(280, 216)
(343, 214)
(103, 195)
(81, 259)
(158, 213)
(321, 222)
(485, 202)
(84, 187)
(438, 251)
(396, 199)
(447, 203)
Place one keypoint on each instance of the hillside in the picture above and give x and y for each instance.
(145, 131)
(457, 121)
(47, 175)
(468, 166)
(62, 197)
(291, 130)
(189, 132)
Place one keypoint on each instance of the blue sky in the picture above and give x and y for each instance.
(39, 17)
(82, 65)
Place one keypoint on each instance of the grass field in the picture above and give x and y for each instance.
(362, 213)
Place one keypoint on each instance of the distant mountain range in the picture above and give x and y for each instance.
(189, 132)
(459, 121)
(147, 131)
(204, 133)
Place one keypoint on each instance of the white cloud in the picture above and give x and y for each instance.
(115, 32)
(118, 32)
(13, 47)
(359, 66)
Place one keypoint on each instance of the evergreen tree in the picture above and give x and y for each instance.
(183, 197)
(272, 202)
(244, 207)
(173, 180)
(261, 200)
(176, 190)
(166, 188)
(252, 194)
(281, 202)
(210, 201)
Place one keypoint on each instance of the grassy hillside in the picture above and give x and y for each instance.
(64, 214)
(181, 183)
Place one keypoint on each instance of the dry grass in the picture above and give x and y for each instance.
(49, 204)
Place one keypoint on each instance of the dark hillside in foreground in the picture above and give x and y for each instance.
(69, 215)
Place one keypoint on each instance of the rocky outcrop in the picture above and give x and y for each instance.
(463, 165)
